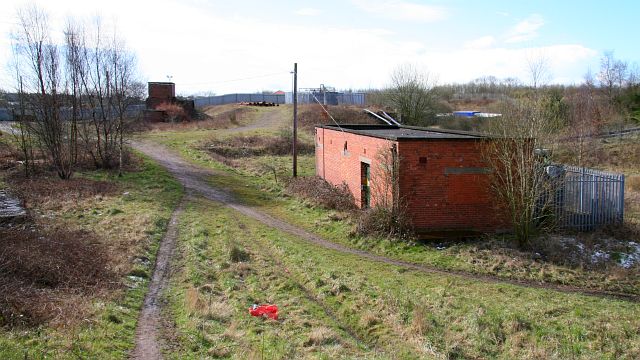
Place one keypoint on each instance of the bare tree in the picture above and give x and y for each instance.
(585, 119)
(126, 88)
(104, 77)
(612, 75)
(539, 70)
(78, 92)
(40, 71)
(412, 95)
(519, 181)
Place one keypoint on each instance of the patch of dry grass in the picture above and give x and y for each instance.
(256, 145)
(633, 183)
(318, 191)
(52, 194)
(43, 274)
(322, 336)
(207, 306)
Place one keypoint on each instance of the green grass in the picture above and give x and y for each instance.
(211, 295)
(395, 313)
(138, 214)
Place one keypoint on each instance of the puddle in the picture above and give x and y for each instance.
(10, 207)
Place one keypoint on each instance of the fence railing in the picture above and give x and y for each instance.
(587, 199)
(238, 98)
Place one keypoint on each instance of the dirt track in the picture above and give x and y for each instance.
(149, 323)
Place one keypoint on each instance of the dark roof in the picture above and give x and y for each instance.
(392, 132)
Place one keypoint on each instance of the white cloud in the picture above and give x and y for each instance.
(526, 29)
(480, 43)
(209, 50)
(402, 10)
(308, 12)
(566, 60)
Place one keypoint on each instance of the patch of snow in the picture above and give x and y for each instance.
(632, 258)
(600, 256)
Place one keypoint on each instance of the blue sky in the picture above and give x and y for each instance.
(229, 46)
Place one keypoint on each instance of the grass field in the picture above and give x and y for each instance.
(389, 312)
(126, 223)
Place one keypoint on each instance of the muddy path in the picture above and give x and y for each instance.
(148, 344)
(194, 179)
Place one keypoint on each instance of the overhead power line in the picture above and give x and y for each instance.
(239, 79)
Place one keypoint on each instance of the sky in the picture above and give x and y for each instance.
(220, 47)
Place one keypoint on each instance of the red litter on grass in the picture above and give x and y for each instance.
(270, 311)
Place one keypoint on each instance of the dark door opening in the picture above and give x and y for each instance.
(365, 190)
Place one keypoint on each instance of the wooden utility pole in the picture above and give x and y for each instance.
(295, 119)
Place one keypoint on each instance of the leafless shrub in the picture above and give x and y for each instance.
(321, 192)
(388, 215)
(175, 112)
(381, 221)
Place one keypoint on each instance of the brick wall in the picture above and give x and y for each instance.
(337, 166)
(444, 183)
(162, 91)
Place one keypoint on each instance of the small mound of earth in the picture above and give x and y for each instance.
(10, 207)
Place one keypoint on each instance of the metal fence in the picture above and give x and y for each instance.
(331, 98)
(238, 98)
(588, 199)
(303, 98)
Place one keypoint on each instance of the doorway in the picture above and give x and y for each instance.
(365, 189)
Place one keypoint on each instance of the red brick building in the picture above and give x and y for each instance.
(441, 176)
(164, 93)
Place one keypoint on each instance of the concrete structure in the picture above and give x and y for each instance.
(442, 178)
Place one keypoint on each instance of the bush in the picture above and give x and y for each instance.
(382, 221)
(322, 193)
(175, 112)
